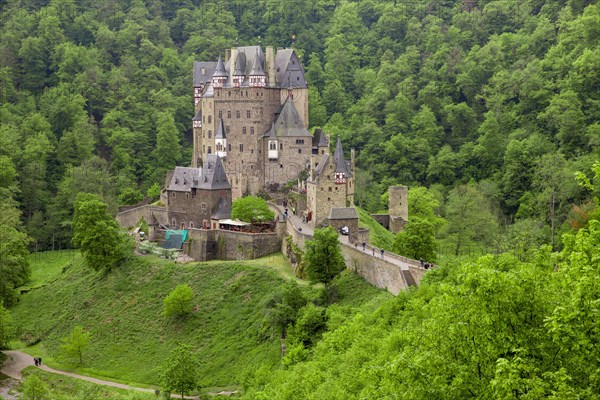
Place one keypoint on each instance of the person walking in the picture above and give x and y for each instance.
(382, 251)
(364, 245)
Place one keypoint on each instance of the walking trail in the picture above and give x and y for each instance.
(17, 361)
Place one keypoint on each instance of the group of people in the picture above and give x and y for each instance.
(364, 247)
(37, 361)
(425, 265)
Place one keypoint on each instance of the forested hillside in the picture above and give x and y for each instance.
(496, 102)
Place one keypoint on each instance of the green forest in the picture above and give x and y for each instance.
(489, 111)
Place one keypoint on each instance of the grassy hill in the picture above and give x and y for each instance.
(131, 339)
(379, 236)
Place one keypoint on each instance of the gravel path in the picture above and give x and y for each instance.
(18, 360)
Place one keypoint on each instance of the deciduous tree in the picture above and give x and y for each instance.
(179, 301)
(180, 371)
(251, 208)
(323, 256)
(74, 345)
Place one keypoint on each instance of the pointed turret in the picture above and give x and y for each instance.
(239, 73)
(221, 140)
(258, 77)
(220, 75)
(342, 170)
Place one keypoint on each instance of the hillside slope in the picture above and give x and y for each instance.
(130, 337)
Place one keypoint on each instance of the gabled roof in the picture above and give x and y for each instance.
(203, 72)
(198, 116)
(342, 213)
(289, 122)
(319, 139)
(184, 179)
(288, 69)
(220, 130)
(321, 165)
(222, 210)
(341, 165)
(220, 68)
(213, 174)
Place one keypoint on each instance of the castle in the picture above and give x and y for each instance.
(252, 111)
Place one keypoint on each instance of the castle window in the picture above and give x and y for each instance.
(187, 195)
(244, 130)
(299, 151)
(299, 141)
(280, 165)
(336, 188)
(280, 146)
(237, 114)
(209, 150)
(173, 195)
(191, 224)
(329, 199)
(209, 133)
(220, 114)
(252, 130)
(241, 147)
(329, 188)
(209, 119)
(203, 206)
(247, 113)
(273, 146)
(251, 151)
(228, 114)
(229, 147)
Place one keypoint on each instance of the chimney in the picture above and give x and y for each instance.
(232, 59)
(270, 56)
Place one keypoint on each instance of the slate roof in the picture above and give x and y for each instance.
(213, 174)
(257, 66)
(271, 132)
(220, 130)
(201, 78)
(342, 213)
(198, 116)
(341, 165)
(220, 68)
(240, 64)
(288, 69)
(319, 138)
(251, 52)
(321, 165)
(222, 210)
(184, 179)
(289, 122)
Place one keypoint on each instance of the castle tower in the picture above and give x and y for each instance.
(398, 208)
(239, 72)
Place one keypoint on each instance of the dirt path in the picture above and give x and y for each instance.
(18, 360)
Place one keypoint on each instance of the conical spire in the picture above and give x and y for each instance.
(338, 156)
(257, 68)
(240, 64)
(220, 70)
(220, 130)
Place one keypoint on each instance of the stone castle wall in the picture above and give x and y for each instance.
(151, 214)
(203, 244)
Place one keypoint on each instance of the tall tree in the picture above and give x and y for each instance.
(97, 234)
(323, 256)
(180, 371)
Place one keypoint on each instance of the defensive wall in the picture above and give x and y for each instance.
(393, 273)
(216, 244)
(153, 216)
